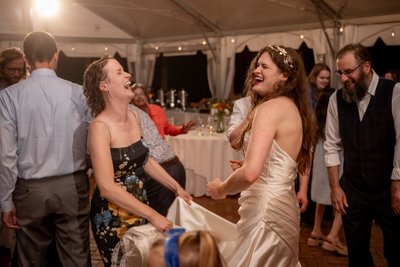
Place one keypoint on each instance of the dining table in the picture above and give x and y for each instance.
(205, 156)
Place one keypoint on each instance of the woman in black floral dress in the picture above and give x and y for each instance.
(120, 158)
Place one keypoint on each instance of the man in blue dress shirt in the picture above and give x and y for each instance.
(43, 184)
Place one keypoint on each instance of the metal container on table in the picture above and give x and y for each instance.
(183, 98)
(171, 98)
(160, 96)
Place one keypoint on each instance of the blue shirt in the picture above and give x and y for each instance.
(43, 130)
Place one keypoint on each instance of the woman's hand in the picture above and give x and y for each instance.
(188, 126)
(214, 189)
(180, 192)
(160, 222)
(235, 164)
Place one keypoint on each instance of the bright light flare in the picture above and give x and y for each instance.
(47, 8)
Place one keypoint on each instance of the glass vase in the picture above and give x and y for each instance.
(220, 122)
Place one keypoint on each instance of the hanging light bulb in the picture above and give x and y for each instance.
(47, 8)
(393, 33)
(204, 42)
(156, 48)
(301, 36)
(180, 48)
(341, 29)
(106, 48)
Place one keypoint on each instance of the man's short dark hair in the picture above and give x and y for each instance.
(39, 46)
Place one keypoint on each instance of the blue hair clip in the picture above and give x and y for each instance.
(171, 254)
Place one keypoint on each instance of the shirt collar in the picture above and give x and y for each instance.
(44, 71)
(374, 83)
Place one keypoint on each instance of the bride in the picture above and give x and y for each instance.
(277, 141)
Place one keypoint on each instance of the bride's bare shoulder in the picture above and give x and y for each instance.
(279, 104)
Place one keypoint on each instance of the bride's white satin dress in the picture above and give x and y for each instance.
(269, 225)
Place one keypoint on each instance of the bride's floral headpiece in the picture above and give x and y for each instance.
(287, 59)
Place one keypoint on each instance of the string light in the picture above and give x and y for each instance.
(301, 36)
(393, 33)
(180, 48)
(106, 48)
(156, 48)
(73, 49)
(233, 40)
(341, 28)
(204, 42)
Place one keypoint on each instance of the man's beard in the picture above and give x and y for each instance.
(358, 92)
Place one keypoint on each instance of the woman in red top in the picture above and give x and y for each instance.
(157, 114)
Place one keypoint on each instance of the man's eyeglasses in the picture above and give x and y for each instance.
(14, 70)
(347, 72)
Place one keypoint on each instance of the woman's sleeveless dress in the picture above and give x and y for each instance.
(269, 225)
(108, 221)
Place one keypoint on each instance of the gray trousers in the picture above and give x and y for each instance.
(53, 209)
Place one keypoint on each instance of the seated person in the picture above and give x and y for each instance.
(157, 114)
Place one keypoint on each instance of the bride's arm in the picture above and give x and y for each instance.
(264, 128)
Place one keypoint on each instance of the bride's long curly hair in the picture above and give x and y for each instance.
(295, 88)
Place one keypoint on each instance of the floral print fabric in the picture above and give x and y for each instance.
(109, 222)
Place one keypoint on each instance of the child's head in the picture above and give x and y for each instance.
(190, 249)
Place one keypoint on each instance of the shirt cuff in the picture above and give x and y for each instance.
(7, 206)
(332, 160)
(396, 174)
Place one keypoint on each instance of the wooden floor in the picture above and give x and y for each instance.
(309, 256)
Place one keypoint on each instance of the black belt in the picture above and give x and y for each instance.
(170, 162)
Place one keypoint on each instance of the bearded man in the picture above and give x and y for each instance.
(363, 120)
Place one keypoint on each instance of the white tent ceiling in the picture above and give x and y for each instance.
(144, 21)
(155, 20)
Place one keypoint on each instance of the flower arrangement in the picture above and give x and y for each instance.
(220, 108)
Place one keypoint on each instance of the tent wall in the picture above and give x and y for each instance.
(221, 51)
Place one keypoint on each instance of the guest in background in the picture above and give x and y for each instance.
(392, 74)
(160, 198)
(120, 159)
(12, 66)
(12, 70)
(318, 80)
(363, 122)
(320, 191)
(43, 152)
(237, 121)
(194, 248)
(277, 146)
(157, 114)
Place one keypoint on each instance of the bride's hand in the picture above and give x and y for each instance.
(180, 192)
(214, 189)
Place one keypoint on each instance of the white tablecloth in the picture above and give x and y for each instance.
(178, 117)
(204, 157)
